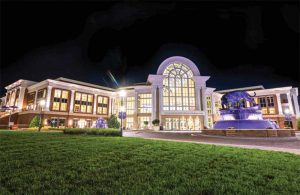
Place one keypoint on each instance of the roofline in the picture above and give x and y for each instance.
(66, 80)
(257, 87)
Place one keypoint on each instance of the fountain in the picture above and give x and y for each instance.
(234, 114)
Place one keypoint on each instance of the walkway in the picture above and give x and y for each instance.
(291, 144)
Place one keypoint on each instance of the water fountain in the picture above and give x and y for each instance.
(234, 114)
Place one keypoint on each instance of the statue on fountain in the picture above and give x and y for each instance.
(236, 115)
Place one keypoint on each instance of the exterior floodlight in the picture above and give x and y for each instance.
(122, 109)
(287, 111)
(122, 93)
(42, 103)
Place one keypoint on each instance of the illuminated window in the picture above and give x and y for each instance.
(145, 103)
(102, 105)
(130, 105)
(209, 107)
(60, 100)
(179, 88)
(141, 121)
(41, 93)
(267, 104)
(262, 102)
(129, 122)
(83, 102)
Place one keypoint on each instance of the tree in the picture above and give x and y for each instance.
(155, 122)
(35, 122)
(113, 122)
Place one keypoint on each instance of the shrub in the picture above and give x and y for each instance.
(35, 122)
(93, 131)
(146, 123)
(298, 123)
(155, 122)
(113, 122)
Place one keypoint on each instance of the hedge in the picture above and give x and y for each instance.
(93, 131)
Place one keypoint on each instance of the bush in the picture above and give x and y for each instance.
(146, 123)
(113, 122)
(93, 131)
(35, 122)
(155, 122)
(298, 123)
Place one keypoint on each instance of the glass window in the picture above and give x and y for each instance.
(145, 103)
(178, 91)
(83, 102)
(60, 100)
(130, 105)
(102, 105)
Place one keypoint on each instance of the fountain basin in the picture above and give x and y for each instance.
(245, 124)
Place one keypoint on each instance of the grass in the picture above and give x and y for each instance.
(56, 163)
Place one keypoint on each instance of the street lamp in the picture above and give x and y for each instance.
(122, 114)
(42, 104)
(288, 117)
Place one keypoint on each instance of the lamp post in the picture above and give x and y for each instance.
(288, 117)
(122, 114)
(41, 104)
(9, 108)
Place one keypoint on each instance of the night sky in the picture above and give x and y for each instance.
(237, 44)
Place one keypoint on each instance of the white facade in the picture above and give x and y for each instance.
(177, 95)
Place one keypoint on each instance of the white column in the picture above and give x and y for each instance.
(279, 106)
(160, 99)
(290, 103)
(136, 102)
(35, 100)
(48, 98)
(110, 109)
(72, 101)
(296, 104)
(95, 104)
(204, 106)
(21, 97)
(197, 94)
(153, 104)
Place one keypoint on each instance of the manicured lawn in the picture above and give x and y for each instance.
(56, 163)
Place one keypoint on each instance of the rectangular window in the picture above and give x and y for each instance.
(102, 105)
(60, 100)
(130, 105)
(267, 104)
(145, 102)
(83, 102)
(41, 93)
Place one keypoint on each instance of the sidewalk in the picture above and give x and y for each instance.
(285, 144)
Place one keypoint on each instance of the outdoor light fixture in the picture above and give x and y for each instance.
(122, 93)
(122, 113)
(42, 104)
(70, 122)
(287, 111)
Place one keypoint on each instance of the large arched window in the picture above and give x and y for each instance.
(178, 88)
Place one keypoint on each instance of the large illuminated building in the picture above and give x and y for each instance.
(177, 95)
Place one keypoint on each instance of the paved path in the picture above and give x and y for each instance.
(289, 144)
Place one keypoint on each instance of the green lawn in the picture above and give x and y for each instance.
(56, 163)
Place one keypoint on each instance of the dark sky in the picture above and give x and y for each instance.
(237, 44)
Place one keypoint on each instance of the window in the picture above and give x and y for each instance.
(209, 107)
(41, 93)
(145, 103)
(30, 100)
(178, 88)
(83, 102)
(60, 100)
(142, 119)
(129, 122)
(102, 105)
(130, 105)
(267, 104)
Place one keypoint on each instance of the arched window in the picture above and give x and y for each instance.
(178, 88)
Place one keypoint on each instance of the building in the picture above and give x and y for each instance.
(177, 95)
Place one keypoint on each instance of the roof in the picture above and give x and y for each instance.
(251, 88)
(84, 84)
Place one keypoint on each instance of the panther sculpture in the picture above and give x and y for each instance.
(236, 98)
